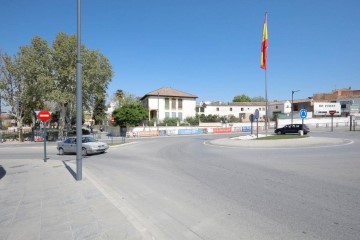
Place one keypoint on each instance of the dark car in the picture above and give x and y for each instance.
(293, 128)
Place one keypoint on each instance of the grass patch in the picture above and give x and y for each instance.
(285, 136)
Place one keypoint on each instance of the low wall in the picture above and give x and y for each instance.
(235, 127)
(318, 122)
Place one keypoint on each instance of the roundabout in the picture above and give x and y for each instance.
(250, 142)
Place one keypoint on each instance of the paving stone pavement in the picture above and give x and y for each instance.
(42, 200)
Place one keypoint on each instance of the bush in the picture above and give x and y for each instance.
(170, 122)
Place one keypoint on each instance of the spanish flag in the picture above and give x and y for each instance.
(264, 45)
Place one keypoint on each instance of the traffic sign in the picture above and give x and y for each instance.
(256, 115)
(303, 113)
(251, 118)
(332, 112)
(112, 120)
(44, 115)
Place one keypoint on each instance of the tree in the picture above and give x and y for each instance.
(242, 98)
(96, 75)
(130, 115)
(39, 76)
(258, 99)
(121, 98)
(26, 77)
(99, 114)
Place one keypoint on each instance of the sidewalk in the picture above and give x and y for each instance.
(42, 200)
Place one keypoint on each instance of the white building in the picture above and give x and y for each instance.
(279, 107)
(169, 102)
(241, 110)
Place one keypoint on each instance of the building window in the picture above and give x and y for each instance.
(217, 109)
(180, 103)
(242, 109)
(180, 115)
(173, 103)
(167, 114)
(167, 103)
(173, 114)
(277, 107)
(230, 109)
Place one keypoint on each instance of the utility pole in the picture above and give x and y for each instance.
(78, 98)
(292, 104)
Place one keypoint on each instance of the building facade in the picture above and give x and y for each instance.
(169, 103)
(241, 110)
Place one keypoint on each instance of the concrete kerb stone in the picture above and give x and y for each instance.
(251, 141)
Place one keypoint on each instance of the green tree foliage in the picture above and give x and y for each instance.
(96, 75)
(27, 77)
(242, 98)
(99, 114)
(39, 76)
(130, 115)
(193, 121)
(209, 118)
(258, 99)
(122, 98)
(170, 121)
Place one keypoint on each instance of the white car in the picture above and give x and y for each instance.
(89, 146)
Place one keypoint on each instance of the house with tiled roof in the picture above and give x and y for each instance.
(169, 102)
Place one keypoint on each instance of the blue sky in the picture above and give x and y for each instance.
(204, 47)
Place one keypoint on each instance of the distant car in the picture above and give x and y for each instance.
(293, 128)
(89, 146)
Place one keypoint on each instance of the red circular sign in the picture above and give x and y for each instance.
(44, 115)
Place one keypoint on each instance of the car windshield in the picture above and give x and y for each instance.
(88, 139)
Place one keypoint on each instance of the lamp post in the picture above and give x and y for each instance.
(292, 104)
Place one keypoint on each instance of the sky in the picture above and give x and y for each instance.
(208, 48)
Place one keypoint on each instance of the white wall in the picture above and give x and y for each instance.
(236, 110)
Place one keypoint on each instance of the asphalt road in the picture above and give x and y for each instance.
(180, 188)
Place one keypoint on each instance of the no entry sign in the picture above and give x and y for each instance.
(44, 115)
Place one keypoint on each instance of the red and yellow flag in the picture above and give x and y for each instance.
(264, 45)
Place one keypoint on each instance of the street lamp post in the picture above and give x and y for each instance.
(292, 104)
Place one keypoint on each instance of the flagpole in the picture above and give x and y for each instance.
(263, 65)
(266, 106)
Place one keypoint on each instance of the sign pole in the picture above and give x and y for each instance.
(44, 116)
(44, 123)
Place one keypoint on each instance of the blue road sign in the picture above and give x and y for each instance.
(303, 113)
(256, 115)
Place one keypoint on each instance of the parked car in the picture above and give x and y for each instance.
(293, 128)
(89, 146)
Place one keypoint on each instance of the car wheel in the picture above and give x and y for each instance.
(61, 151)
(278, 132)
(84, 151)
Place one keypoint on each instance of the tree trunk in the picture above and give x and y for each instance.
(62, 121)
